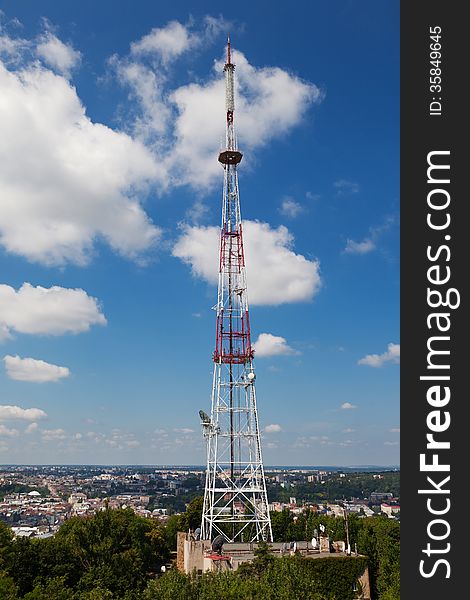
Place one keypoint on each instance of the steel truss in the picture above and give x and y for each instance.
(235, 497)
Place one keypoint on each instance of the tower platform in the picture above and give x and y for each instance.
(230, 157)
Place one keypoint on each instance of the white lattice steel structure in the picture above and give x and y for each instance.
(235, 498)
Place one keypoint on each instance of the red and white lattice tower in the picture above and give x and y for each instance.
(235, 498)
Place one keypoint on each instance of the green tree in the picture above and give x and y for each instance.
(22, 564)
(190, 519)
(8, 588)
(54, 589)
(173, 525)
(280, 522)
(98, 593)
(379, 539)
(115, 549)
(263, 560)
(173, 585)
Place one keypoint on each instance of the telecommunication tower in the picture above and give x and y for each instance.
(235, 498)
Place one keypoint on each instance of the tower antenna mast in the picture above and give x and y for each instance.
(235, 497)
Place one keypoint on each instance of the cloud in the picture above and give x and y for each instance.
(12, 413)
(11, 49)
(378, 360)
(47, 311)
(152, 113)
(347, 406)
(6, 432)
(391, 443)
(275, 274)
(273, 428)
(348, 430)
(343, 186)
(185, 124)
(272, 345)
(197, 212)
(312, 196)
(29, 369)
(352, 247)
(312, 440)
(61, 57)
(132, 443)
(269, 102)
(184, 430)
(32, 427)
(369, 243)
(394, 430)
(167, 42)
(66, 181)
(290, 208)
(51, 435)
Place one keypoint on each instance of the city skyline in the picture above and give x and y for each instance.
(109, 223)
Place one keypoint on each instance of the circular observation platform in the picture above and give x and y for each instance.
(230, 157)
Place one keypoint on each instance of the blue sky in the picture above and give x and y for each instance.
(112, 114)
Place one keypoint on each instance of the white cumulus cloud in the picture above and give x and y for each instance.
(47, 311)
(290, 208)
(273, 428)
(66, 181)
(185, 124)
(369, 243)
(378, 360)
(7, 432)
(269, 102)
(352, 247)
(275, 273)
(271, 345)
(347, 406)
(12, 413)
(50, 435)
(167, 42)
(58, 55)
(30, 369)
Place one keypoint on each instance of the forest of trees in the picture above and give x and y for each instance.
(337, 487)
(117, 555)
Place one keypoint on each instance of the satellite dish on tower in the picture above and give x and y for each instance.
(204, 417)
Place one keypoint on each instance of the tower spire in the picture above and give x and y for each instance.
(235, 498)
(230, 155)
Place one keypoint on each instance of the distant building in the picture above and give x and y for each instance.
(76, 497)
(390, 509)
(377, 497)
